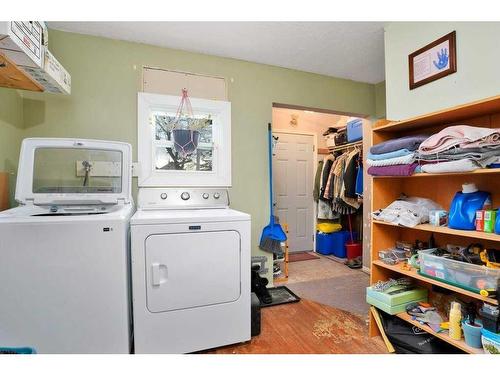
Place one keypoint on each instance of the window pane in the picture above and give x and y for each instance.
(77, 171)
(169, 159)
(192, 152)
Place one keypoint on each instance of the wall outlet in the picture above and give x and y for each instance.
(135, 169)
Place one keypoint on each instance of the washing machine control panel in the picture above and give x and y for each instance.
(179, 198)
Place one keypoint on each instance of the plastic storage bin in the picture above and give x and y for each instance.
(340, 240)
(355, 130)
(464, 275)
(490, 322)
(491, 342)
(324, 243)
(333, 243)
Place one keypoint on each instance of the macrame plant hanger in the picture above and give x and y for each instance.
(185, 140)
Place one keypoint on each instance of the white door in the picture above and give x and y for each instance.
(293, 188)
(189, 270)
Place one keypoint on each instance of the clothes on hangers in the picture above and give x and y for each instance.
(317, 180)
(338, 188)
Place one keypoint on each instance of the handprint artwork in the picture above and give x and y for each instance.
(442, 59)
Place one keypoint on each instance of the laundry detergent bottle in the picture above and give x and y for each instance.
(464, 206)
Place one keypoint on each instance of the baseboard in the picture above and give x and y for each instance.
(366, 270)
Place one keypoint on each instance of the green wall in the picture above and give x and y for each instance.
(380, 111)
(11, 133)
(106, 76)
(477, 75)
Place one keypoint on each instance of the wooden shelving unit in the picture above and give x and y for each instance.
(413, 273)
(441, 188)
(462, 233)
(443, 336)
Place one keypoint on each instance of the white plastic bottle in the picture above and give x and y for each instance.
(455, 329)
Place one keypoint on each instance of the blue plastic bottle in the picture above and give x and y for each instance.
(464, 206)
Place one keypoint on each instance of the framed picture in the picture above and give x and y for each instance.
(434, 61)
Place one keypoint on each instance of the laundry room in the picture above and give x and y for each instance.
(265, 187)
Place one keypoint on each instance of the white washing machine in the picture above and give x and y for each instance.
(190, 271)
(64, 252)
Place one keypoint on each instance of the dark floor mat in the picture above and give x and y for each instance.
(281, 295)
(298, 257)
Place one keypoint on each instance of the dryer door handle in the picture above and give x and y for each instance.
(158, 274)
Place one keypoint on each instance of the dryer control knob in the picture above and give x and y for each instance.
(163, 196)
(205, 195)
(185, 196)
(216, 195)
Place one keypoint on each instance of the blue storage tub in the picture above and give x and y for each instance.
(324, 243)
(342, 237)
(334, 243)
(354, 130)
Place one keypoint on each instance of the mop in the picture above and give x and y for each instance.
(272, 234)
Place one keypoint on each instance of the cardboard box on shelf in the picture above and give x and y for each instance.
(52, 75)
(22, 42)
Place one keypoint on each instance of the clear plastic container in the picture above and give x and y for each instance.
(465, 275)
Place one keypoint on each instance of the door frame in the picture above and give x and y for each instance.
(314, 162)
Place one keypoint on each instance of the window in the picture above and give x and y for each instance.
(166, 155)
(190, 151)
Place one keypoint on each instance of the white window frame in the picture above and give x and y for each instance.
(149, 176)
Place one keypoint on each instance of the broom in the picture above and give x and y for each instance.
(272, 234)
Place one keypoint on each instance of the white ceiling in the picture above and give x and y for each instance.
(351, 50)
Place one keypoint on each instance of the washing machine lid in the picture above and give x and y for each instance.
(145, 217)
(59, 171)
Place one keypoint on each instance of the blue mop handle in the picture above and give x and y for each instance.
(270, 138)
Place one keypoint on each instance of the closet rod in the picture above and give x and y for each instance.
(358, 144)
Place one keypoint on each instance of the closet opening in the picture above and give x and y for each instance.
(318, 199)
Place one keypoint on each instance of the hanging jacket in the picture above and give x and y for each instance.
(317, 180)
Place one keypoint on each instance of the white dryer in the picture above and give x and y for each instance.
(64, 252)
(190, 271)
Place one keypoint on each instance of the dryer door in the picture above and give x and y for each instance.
(187, 270)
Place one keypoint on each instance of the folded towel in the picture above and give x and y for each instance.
(410, 143)
(463, 154)
(393, 170)
(406, 159)
(463, 165)
(389, 155)
(462, 135)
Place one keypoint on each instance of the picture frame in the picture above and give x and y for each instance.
(433, 61)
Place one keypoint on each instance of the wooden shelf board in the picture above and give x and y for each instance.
(443, 336)
(476, 172)
(446, 116)
(413, 273)
(445, 230)
(12, 76)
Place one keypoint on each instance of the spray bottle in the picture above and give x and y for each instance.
(455, 330)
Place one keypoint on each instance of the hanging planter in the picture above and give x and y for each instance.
(186, 128)
(185, 140)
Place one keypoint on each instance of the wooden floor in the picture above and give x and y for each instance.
(308, 327)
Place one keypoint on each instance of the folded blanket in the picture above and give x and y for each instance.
(389, 155)
(463, 165)
(393, 170)
(462, 135)
(410, 143)
(407, 159)
(463, 154)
